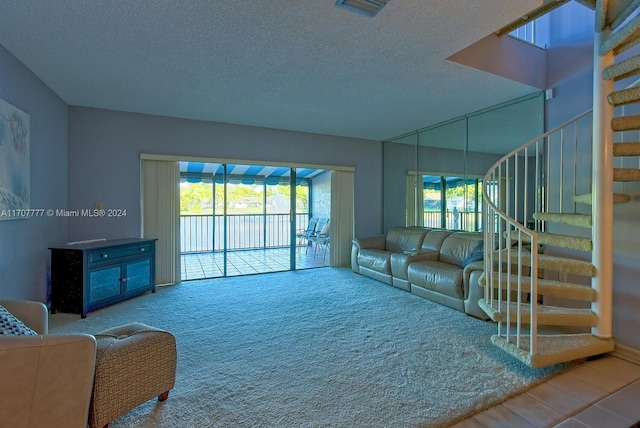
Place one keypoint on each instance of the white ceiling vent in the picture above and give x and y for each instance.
(366, 7)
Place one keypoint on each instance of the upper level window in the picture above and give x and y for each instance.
(535, 32)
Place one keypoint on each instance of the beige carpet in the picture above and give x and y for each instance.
(315, 348)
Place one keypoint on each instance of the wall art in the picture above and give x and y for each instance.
(15, 189)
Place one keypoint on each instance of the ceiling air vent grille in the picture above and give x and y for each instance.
(366, 7)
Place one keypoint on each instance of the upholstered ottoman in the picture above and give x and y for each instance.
(134, 363)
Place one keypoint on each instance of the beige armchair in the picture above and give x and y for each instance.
(45, 380)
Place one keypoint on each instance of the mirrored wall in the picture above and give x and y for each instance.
(434, 176)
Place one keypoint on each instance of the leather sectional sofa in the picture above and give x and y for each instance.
(441, 265)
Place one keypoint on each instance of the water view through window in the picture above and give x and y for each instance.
(452, 202)
(234, 223)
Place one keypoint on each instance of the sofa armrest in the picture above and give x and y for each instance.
(376, 242)
(473, 292)
(46, 379)
(32, 314)
(468, 270)
(358, 244)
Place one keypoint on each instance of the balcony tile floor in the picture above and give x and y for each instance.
(248, 262)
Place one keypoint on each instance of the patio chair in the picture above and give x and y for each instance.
(321, 239)
(305, 234)
(320, 228)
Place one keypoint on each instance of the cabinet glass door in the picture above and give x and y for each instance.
(104, 283)
(138, 275)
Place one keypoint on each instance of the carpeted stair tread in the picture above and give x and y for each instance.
(572, 219)
(629, 43)
(626, 174)
(626, 149)
(601, 10)
(625, 123)
(624, 96)
(546, 315)
(623, 69)
(555, 349)
(610, 13)
(559, 264)
(587, 198)
(623, 39)
(619, 11)
(546, 287)
(556, 240)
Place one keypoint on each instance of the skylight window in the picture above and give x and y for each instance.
(365, 7)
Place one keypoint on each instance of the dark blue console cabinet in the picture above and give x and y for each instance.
(89, 276)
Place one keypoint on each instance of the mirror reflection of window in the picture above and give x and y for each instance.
(452, 202)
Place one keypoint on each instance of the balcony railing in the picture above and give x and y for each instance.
(205, 233)
(464, 220)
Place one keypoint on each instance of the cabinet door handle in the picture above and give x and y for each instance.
(142, 249)
(104, 256)
(124, 279)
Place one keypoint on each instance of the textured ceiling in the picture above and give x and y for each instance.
(303, 65)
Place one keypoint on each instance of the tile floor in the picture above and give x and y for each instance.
(248, 262)
(600, 393)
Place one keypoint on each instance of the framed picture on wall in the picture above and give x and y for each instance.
(15, 189)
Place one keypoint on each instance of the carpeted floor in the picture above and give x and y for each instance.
(315, 348)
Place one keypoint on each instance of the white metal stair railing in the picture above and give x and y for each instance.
(516, 193)
(573, 162)
(514, 189)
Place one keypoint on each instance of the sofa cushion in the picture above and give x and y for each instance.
(378, 260)
(400, 262)
(443, 278)
(458, 246)
(12, 326)
(401, 239)
(433, 240)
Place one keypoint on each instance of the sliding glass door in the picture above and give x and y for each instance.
(244, 219)
(257, 218)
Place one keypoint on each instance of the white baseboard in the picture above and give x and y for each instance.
(627, 353)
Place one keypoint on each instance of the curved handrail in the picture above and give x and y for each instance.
(509, 242)
(533, 141)
(527, 144)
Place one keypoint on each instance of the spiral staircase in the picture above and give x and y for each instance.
(549, 213)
